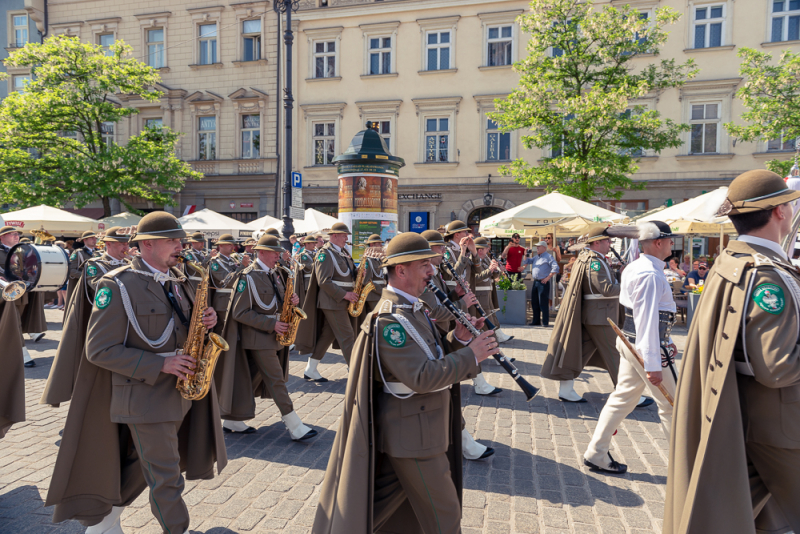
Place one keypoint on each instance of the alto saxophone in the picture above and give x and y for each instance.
(356, 308)
(205, 355)
(290, 314)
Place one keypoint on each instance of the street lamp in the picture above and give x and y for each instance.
(488, 197)
(287, 6)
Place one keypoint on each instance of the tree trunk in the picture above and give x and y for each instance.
(106, 206)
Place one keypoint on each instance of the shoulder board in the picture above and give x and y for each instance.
(116, 272)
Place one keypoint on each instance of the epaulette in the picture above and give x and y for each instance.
(113, 274)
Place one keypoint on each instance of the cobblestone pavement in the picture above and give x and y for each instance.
(535, 482)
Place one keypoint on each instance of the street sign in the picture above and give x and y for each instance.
(296, 210)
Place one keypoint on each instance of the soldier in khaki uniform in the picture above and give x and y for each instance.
(485, 288)
(139, 319)
(329, 294)
(252, 329)
(9, 236)
(734, 461)
(223, 271)
(401, 387)
(88, 241)
(196, 251)
(374, 273)
(305, 259)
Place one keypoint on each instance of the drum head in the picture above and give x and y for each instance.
(41, 267)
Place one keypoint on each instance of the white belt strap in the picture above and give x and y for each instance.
(398, 388)
(307, 275)
(483, 288)
(342, 284)
(597, 297)
(225, 290)
(198, 279)
(378, 281)
(126, 303)
(167, 354)
(451, 283)
(255, 296)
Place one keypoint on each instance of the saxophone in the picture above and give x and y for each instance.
(205, 355)
(363, 291)
(289, 314)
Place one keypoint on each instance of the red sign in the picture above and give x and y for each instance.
(101, 226)
(21, 224)
(246, 205)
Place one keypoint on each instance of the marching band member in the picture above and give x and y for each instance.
(400, 389)
(734, 459)
(486, 275)
(329, 293)
(248, 247)
(68, 357)
(251, 330)
(12, 357)
(128, 427)
(374, 273)
(196, 250)
(304, 266)
(223, 270)
(646, 297)
(88, 242)
(9, 236)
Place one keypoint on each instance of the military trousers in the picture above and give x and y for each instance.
(632, 383)
(600, 341)
(338, 325)
(775, 475)
(157, 446)
(269, 364)
(427, 485)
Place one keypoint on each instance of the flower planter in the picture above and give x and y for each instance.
(513, 306)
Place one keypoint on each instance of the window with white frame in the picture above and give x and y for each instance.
(785, 20)
(437, 50)
(251, 136)
(20, 23)
(380, 55)
(251, 40)
(325, 59)
(562, 148)
(207, 138)
(705, 122)
(157, 123)
(106, 40)
(709, 24)
(784, 142)
(208, 44)
(437, 137)
(498, 144)
(635, 152)
(155, 48)
(20, 81)
(499, 45)
(384, 129)
(324, 139)
(107, 133)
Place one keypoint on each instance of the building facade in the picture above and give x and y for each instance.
(428, 72)
(218, 67)
(17, 29)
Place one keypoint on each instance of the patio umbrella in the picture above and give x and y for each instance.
(314, 221)
(214, 224)
(121, 219)
(264, 222)
(57, 222)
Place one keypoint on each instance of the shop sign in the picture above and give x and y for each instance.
(418, 221)
(419, 196)
(246, 205)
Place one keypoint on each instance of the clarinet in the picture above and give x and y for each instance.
(463, 283)
(529, 391)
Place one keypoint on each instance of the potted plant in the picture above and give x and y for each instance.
(512, 297)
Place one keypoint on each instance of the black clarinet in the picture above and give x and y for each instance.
(529, 391)
(463, 283)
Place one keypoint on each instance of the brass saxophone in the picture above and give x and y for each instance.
(289, 314)
(356, 308)
(206, 355)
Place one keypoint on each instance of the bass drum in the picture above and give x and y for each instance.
(41, 267)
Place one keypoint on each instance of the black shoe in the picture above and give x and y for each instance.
(615, 468)
(30, 364)
(320, 380)
(495, 391)
(535, 324)
(646, 402)
(249, 430)
(507, 340)
(562, 399)
(38, 337)
(310, 434)
(488, 452)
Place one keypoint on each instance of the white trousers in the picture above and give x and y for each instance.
(631, 384)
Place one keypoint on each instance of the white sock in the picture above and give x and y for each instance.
(32, 335)
(26, 356)
(471, 449)
(311, 369)
(236, 426)
(110, 523)
(501, 336)
(295, 426)
(641, 400)
(482, 387)
(567, 391)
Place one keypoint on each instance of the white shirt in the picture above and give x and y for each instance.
(263, 266)
(645, 290)
(766, 243)
(337, 248)
(413, 300)
(154, 270)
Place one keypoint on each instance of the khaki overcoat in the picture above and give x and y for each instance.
(12, 379)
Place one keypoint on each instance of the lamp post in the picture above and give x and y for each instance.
(287, 6)
(488, 197)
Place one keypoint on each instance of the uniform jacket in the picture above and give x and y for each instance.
(374, 274)
(305, 260)
(591, 279)
(249, 327)
(716, 409)
(120, 382)
(485, 288)
(426, 424)
(76, 260)
(223, 272)
(465, 266)
(30, 306)
(12, 379)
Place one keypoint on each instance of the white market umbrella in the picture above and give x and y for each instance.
(214, 224)
(702, 209)
(313, 221)
(121, 219)
(57, 222)
(263, 222)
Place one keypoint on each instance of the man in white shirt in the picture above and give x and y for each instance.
(649, 308)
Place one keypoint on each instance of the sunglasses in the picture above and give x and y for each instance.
(547, 239)
(702, 269)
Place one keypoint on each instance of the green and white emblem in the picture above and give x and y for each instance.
(304, 257)
(241, 286)
(321, 257)
(103, 298)
(215, 266)
(769, 298)
(394, 334)
(73, 257)
(595, 266)
(91, 270)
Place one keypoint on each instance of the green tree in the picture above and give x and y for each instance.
(577, 96)
(771, 94)
(52, 149)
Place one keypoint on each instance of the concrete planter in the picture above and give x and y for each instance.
(515, 306)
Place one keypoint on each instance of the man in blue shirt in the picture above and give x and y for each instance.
(544, 269)
(693, 278)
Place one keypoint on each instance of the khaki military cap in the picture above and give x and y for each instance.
(433, 237)
(25, 240)
(309, 239)
(374, 238)
(454, 227)
(249, 241)
(9, 230)
(481, 242)
(158, 225)
(113, 235)
(196, 237)
(339, 228)
(272, 231)
(756, 190)
(269, 242)
(87, 234)
(407, 247)
(226, 239)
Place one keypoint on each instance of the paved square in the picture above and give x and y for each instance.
(535, 482)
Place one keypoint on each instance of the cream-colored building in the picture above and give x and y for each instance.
(218, 66)
(429, 70)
